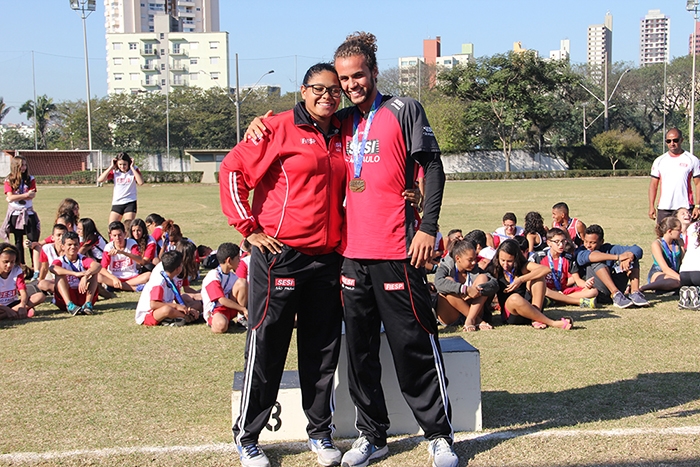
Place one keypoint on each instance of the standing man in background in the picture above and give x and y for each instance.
(674, 172)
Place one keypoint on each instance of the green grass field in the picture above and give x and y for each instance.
(621, 389)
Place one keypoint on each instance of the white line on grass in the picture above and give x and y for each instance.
(26, 457)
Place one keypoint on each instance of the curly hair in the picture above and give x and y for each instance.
(359, 43)
(534, 223)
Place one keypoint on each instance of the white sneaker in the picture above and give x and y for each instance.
(441, 453)
(326, 451)
(362, 452)
(252, 456)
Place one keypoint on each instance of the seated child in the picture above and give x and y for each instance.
(612, 267)
(484, 252)
(535, 232)
(574, 228)
(667, 251)
(49, 253)
(684, 215)
(521, 288)
(161, 301)
(121, 259)
(190, 272)
(224, 294)
(147, 244)
(14, 301)
(243, 269)
(208, 257)
(508, 230)
(463, 289)
(452, 236)
(92, 243)
(75, 277)
(564, 284)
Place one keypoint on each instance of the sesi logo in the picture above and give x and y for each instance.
(391, 286)
(347, 281)
(285, 282)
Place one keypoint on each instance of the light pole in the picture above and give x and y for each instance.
(692, 6)
(239, 101)
(606, 99)
(85, 7)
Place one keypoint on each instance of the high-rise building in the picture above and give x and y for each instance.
(563, 53)
(697, 40)
(133, 16)
(599, 44)
(654, 35)
(155, 45)
(166, 58)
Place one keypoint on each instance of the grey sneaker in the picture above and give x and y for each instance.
(441, 453)
(638, 299)
(326, 451)
(252, 456)
(587, 303)
(620, 301)
(173, 322)
(362, 452)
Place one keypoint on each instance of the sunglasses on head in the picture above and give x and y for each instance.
(674, 140)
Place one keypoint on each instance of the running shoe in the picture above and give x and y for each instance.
(252, 456)
(362, 452)
(326, 451)
(587, 303)
(88, 309)
(441, 453)
(638, 299)
(620, 301)
(173, 322)
(73, 309)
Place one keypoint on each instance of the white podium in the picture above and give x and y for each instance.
(462, 367)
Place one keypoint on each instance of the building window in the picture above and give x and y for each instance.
(133, 46)
(133, 61)
(194, 76)
(162, 82)
(214, 44)
(117, 60)
(176, 48)
(116, 46)
(148, 48)
(162, 35)
(214, 75)
(118, 76)
(134, 76)
(162, 66)
(213, 60)
(193, 61)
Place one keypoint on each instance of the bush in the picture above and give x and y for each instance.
(546, 174)
(90, 178)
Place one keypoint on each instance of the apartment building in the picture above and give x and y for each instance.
(431, 62)
(697, 40)
(599, 44)
(654, 35)
(162, 60)
(134, 16)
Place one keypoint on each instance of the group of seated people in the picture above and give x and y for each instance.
(76, 264)
(522, 270)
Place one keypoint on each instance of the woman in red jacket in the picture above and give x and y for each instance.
(294, 225)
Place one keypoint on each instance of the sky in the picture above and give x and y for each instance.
(288, 36)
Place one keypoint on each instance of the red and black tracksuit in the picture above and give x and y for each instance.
(378, 282)
(298, 174)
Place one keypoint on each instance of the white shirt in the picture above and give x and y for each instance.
(675, 174)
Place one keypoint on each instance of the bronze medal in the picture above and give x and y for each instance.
(357, 185)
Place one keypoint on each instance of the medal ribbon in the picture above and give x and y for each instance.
(171, 284)
(670, 252)
(71, 265)
(508, 275)
(358, 152)
(556, 272)
(221, 278)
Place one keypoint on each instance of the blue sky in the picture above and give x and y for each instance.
(290, 35)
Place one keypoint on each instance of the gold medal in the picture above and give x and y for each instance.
(357, 185)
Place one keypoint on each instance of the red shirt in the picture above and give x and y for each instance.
(298, 180)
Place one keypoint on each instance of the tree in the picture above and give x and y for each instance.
(510, 93)
(44, 112)
(13, 139)
(619, 145)
(4, 109)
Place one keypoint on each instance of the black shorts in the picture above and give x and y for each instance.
(122, 208)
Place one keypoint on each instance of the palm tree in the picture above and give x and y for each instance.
(4, 109)
(44, 109)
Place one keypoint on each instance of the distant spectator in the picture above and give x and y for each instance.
(21, 219)
(125, 176)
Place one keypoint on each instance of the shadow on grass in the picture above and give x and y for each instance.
(647, 393)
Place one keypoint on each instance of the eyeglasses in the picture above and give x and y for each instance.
(558, 242)
(674, 140)
(320, 90)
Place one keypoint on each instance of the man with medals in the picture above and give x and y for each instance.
(382, 276)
